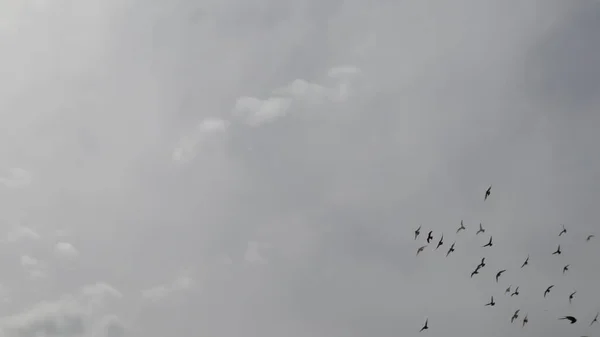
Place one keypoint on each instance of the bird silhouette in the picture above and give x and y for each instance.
(429, 237)
(489, 244)
(487, 193)
(515, 316)
(564, 231)
(441, 242)
(421, 249)
(475, 272)
(526, 262)
(507, 290)
(557, 251)
(525, 320)
(461, 228)
(515, 293)
(491, 303)
(482, 263)
(571, 319)
(566, 268)
(595, 320)
(451, 249)
(499, 274)
(417, 232)
(571, 296)
(481, 230)
(589, 237)
(548, 290)
(425, 327)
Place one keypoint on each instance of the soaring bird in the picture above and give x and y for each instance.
(564, 231)
(429, 237)
(566, 268)
(461, 228)
(571, 296)
(487, 193)
(476, 271)
(499, 274)
(515, 316)
(507, 290)
(515, 293)
(482, 263)
(421, 249)
(425, 327)
(492, 303)
(451, 249)
(489, 244)
(595, 320)
(548, 290)
(526, 262)
(441, 242)
(557, 251)
(571, 319)
(481, 230)
(525, 320)
(590, 237)
(417, 232)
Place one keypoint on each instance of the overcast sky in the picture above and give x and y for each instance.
(242, 168)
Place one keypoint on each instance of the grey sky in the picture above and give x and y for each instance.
(257, 168)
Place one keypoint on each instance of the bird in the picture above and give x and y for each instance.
(515, 316)
(491, 303)
(489, 244)
(425, 327)
(441, 242)
(526, 262)
(499, 274)
(566, 268)
(417, 232)
(548, 290)
(475, 272)
(451, 249)
(487, 193)
(462, 227)
(571, 296)
(595, 320)
(481, 230)
(557, 251)
(421, 249)
(589, 237)
(482, 263)
(507, 290)
(564, 231)
(571, 319)
(525, 320)
(429, 237)
(515, 293)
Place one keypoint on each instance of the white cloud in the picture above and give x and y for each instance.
(156, 293)
(343, 71)
(18, 177)
(256, 112)
(28, 261)
(187, 146)
(65, 249)
(253, 255)
(302, 89)
(20, 233)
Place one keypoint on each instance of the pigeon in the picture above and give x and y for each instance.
(571, 296)
(499, 274)
(482, 263)
(566, 268)
(590, 237)
(595, 320)
(487, 193)
(548, 290)
(526, 262)
(564, 231)
(475, 272)
(481, 230)
(462, 227)
(515, 316)
(441, 242)
(425, 327)
(421, 249)
(451, 249)
(492, 303)
(429, 237)
(489, 244)
(515, 293)
(417, 232)
(507, 290)
(557, 251)
(571, 319)
(525, 320)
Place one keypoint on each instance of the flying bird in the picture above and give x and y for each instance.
(564, 231)
(489, 244)
(571, 296)
(481, 230)
(526, 262)
(475, 272)
(499, 274)
(421, 249)
(482, 263)
(461, 228)
(548, 290)
(595, 320)
(425, 327)
(491, 303)
(515, 316)
(429, 237)
(525, 320)
(590, 237)
(451, 249)
(566, 268)
(571, 319)
(487, 193)
(557, 251)
(507, 290)
(417, 232)
(515, 293)
(441, 242)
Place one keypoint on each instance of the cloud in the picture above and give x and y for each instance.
(66, 249)
(188, 146)
(181, 283)
(20, 233)
(255, 111)
(27, 261)
(17, 177)
(253, 255)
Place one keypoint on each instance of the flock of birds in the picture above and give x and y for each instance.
(508, 291)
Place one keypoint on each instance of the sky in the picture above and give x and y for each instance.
(258, 168)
